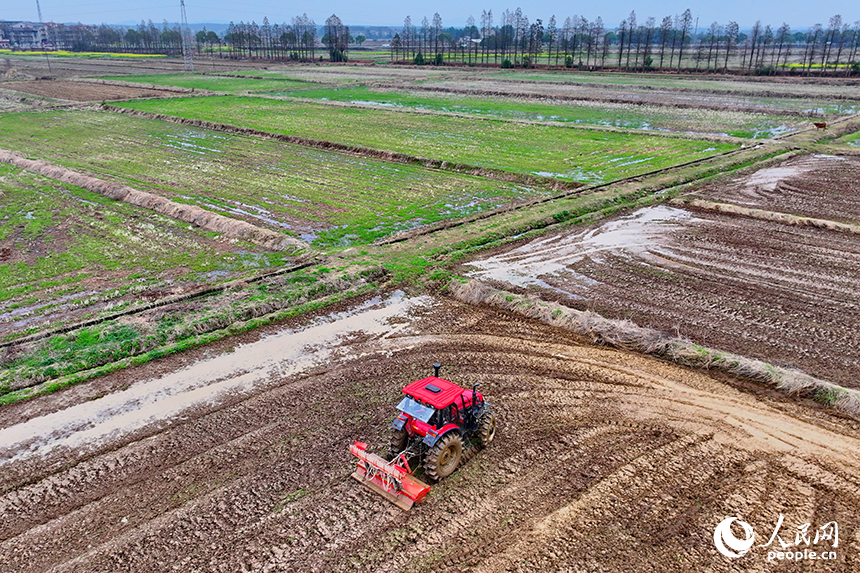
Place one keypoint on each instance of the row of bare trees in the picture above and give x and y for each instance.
(675, 43)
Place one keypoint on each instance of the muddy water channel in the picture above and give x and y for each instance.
(247, 369)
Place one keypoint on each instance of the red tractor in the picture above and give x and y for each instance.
(439, 426)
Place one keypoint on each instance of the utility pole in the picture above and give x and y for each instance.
(187, 61)
(39, 10)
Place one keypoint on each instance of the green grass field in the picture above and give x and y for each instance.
(625, 116)
(853, 139)
(559, 152)
(326, 197)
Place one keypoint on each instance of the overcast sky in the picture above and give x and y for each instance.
(797, 13)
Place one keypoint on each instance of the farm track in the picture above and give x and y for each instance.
(603, 460)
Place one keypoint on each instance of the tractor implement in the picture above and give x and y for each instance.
(391, 480)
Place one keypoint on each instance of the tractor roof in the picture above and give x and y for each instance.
(436, 392)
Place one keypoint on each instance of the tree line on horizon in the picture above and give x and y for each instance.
(674, 43)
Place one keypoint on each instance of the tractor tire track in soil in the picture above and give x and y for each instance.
(604, 460)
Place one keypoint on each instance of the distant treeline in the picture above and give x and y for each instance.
(674, 43)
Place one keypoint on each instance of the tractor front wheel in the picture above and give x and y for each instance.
(443, 458)
(486, 429)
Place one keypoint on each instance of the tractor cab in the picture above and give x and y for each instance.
(434, 406)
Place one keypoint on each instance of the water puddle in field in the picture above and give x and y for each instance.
(772, 131)
(769, 178)
(258, 212)
(541, 260)
(192, 141)
(249, 368)
(376, 103)
(574, 175)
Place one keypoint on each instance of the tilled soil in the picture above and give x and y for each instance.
(821, 186)
(83, 92)
(784, 294)
(603, 461)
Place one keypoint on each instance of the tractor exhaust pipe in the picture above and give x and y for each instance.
(436, 368)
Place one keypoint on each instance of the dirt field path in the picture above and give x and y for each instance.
(604, 461)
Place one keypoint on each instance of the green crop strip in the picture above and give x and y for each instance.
(56, 236)
(627, 116)
(559, 152)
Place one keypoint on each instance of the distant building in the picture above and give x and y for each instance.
(23, 35)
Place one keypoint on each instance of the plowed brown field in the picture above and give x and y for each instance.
(604, 460)
(782, 293)
(78, 91)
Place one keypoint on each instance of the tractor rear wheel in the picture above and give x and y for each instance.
(442, 459)
(486, 429)
(397, 442)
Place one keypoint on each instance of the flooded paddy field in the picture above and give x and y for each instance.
(572, 155)
(234, 456)
(315, 195)
(66, 252)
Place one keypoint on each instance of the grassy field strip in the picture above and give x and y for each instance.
(63, 248)
(716, 103)
(206, 220)
(698, 84)
(166, 301)
(567, 215)
(317, 195)
(391, 156)
(139, 84)
(785, 87)
(86, 353)
(527, 149)
(580, 114)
